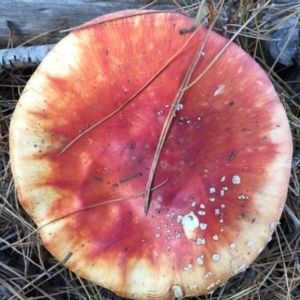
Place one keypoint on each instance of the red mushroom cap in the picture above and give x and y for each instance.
(227, 157)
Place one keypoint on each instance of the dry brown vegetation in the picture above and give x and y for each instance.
(27, 270)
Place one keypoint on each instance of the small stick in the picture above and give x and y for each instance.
(233, 155)
(130, 177)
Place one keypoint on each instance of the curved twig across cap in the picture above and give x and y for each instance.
(227, 157)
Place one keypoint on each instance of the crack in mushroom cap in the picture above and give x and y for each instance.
(229, 141)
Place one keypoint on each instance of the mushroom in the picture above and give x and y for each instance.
(226, 157)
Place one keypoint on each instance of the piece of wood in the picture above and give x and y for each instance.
(26, 19)
(23, 57)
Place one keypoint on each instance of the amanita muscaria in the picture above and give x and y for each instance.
(226, 157)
